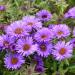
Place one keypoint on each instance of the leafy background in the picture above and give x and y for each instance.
(15, 10)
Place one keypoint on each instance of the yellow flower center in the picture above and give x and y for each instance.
(44, 36)
(14, 60)
(30, 23)
(18, 30)
(43, 47)
(26, 47)
(60, 32)
(62, 51)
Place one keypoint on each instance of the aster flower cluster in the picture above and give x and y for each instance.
(29, 36)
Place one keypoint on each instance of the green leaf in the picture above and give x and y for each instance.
(71, 2)
(71, 68)
(37, 1)
(66, 62)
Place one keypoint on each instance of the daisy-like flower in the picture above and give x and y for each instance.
(6, 40)
(61, 30)
(44, 15)
(43, 34)
(13, 61)
(70, 13)
(44, 49)
(32, 22)
(26, 46)
(62, 50)
(17, 29)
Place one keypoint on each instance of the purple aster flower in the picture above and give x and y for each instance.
(44, 49)
(26, 46)
(32, 22)
(44, 15)
(17, 29)
(39, 68)
(43, 34)
(6, 40)
(72, 41)
(61, 30)
(2, 8)
(62, 50)
(13, 61)
(70, 13)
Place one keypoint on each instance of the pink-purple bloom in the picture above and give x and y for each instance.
(44, 49)
(6, 41)
(61, 31)
(32, 22)
(25, 46)
(13, 61)
(62, 50)
(44, 15)
(43, 34)
(17, 29)
(70, 13)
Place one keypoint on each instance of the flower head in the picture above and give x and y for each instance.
(32, 22)
(17, 29)
(6, 41)
(26, 46)
(44, 49)
(13, 61)
(61, 30)
(62, 50)
(44, 15)
(43, 34)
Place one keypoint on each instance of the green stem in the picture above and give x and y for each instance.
(60, 70)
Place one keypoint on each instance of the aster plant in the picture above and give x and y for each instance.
(38, 39)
